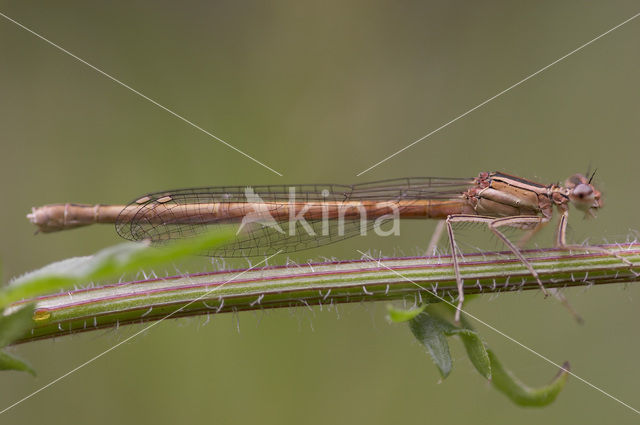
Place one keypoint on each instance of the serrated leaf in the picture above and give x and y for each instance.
(521, 394)
(398, 315)
(428, 331)
(11, 362)
(112, 261)
(16, 324)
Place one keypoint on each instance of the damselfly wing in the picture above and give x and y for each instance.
(288, 218)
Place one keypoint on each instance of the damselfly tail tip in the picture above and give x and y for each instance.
(32, 215)
(35, 217)
(39, 217)
(32, 218)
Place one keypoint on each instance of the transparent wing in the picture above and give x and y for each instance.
(263, 212)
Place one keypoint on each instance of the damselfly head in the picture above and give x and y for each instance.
(583, 195)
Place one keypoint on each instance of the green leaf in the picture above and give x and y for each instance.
(11, 362)
(476, 350)
(429, 332)
(397, 315)
(12, 327)
(473, 345)
(112, 261)
(522, 394)
(16, 324)
(432, 330)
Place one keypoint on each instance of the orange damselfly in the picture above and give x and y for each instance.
(282, 218)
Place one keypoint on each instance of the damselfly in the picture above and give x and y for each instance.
(284, 218)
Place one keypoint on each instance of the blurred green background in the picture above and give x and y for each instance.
(318, 91)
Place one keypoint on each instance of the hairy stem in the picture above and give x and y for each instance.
(414, 279)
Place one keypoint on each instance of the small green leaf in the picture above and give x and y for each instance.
(476, 350)
(430, 329)
(429, 332)
(11, 362)
(12, 327)
(397, 315)
(112, 261)
(520, 393)
(16, 324)
(473, 345)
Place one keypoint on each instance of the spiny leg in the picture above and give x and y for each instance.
(561, 242)
(517, 221)
(528, 220)
(456, 269)
(461, 218)
(494, 224)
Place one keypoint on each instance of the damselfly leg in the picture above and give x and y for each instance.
(494, 224)
(561, 242)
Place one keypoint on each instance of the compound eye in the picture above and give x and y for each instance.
(582, 191)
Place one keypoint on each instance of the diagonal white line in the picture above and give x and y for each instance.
(500, 94)
(114, 79)
(531, 350)
(91, 360)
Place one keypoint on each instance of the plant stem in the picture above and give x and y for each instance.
(413, 279)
